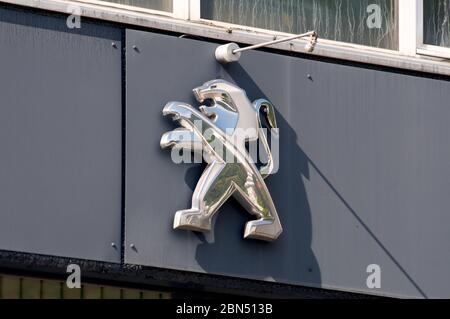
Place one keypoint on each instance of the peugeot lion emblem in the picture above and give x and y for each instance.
(219, 130)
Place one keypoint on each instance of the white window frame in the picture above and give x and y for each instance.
(423, 48)
(411, 17)
(194, 9)
(195, 15)
(410, 23)
(410, 30)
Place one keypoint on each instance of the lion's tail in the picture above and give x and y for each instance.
(268, 110)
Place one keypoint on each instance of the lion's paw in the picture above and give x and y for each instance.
(178, 110)
(267, 229)
(191, 219)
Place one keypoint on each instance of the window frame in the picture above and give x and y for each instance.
(196, 15)
(421, 47)
(411, 42)
(410, 16)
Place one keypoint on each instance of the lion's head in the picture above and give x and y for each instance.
(226, 103)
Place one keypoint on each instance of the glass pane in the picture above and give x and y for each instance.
(367, 22)
(162, 5)
(436, 22)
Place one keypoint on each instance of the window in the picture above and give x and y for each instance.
(436, 22)
(367, 22)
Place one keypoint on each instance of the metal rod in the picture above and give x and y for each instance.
(260, 45)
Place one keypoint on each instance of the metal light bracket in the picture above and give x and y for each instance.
(231, 52)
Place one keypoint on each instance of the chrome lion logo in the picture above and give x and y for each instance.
(219, 132)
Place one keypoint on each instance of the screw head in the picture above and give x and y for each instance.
(114, 45)
(113, 245)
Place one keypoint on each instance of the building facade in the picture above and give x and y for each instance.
(362, 180)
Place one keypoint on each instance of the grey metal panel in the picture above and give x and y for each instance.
(60, 137)
(364, 175)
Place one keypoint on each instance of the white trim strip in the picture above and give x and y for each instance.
(434, 51)
(181, 9)
(410, 29)
(194, 9)
(214, 30)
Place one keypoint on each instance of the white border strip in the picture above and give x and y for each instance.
(220, 31)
